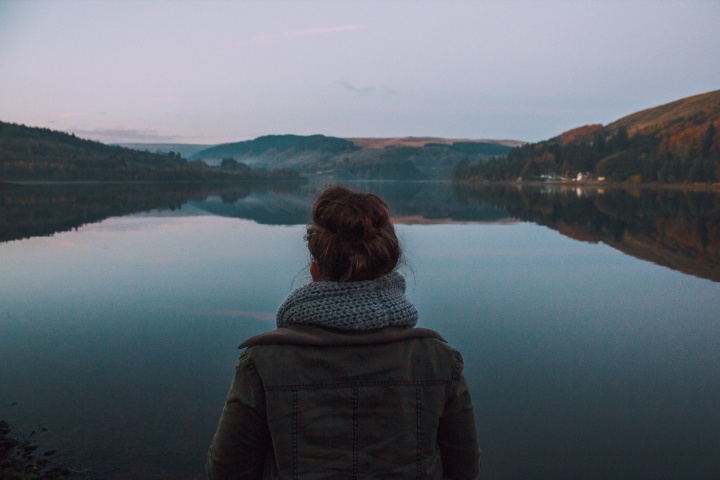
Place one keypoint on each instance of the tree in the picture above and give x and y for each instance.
(620, 141)
(707, 141)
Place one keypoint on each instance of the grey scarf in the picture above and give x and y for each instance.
(363, 305)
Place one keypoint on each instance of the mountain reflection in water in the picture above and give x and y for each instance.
(678, 229)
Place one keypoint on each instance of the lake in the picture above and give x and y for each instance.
(588, 319)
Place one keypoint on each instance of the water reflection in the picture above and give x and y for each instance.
(40, 210)
(678, 229)
(674, 228)
(120, 337)
(410, 202)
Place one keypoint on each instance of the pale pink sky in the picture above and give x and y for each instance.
(219, 71)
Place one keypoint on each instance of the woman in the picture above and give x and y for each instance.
(347, 387)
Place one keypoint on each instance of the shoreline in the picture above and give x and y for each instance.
(24, 459)
(697, 187)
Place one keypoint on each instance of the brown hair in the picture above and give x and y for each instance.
(351, 237)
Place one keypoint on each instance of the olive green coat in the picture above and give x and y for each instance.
(313, 403)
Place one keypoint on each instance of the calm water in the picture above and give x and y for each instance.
(589, 327)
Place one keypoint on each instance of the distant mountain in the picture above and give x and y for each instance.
(40, 154)
(288, 150)
(673, 143)
(409, 158)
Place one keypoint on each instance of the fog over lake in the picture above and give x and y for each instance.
(587, 319)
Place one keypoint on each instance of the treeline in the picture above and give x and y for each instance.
(430, 162)
(40, 154)
(402, 169)
(686, 151)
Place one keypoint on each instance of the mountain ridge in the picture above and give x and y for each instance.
(651, 119)
(678, 142)
(398, 158)
(41, 154)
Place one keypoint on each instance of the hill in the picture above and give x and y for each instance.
(696, 109)
(672, 143)
(40, 154)
(409, 158)
(286, 149)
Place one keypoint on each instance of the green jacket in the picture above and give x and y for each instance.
(310, 402)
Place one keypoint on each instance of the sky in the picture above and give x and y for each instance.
(213, 71)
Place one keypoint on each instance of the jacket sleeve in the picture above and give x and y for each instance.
(239, 448)
(457, 436)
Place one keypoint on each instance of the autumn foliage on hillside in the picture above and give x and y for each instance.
(580, 135)
(678, 142)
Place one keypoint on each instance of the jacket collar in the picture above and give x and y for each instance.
(311, 335)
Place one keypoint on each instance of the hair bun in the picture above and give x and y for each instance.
(352, 237)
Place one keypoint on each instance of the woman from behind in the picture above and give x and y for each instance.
(347, 386)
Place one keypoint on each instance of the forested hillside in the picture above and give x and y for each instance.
(40, 154)
(673, 143)
(279, 147)
(346, 160)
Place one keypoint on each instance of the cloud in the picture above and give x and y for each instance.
(121, 135)
(350, 87)
(363, 91)
(321, 31)
(308, 32)
(71, 115)
(59, 118)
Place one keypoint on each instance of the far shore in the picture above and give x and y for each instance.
(589, 184)
(696, 187)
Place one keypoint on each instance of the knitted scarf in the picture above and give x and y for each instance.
(363, 305)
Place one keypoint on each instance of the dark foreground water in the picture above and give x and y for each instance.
(588, 321)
